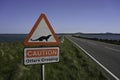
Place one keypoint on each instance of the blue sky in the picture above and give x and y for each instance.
(88, 16)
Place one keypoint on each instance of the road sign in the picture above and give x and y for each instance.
(41, 55)
(42, 34)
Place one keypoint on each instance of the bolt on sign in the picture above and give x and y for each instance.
(42, 34)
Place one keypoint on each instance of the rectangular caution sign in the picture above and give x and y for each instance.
(41, 55)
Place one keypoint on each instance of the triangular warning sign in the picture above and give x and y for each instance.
(42, 34)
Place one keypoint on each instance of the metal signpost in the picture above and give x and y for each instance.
(42, 34)
(42, 72)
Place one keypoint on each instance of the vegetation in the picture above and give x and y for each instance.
(117, 42)
(73, 65)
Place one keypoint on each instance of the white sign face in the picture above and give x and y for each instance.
(41, 55)
(42, 34)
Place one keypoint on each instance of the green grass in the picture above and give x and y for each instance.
(73, 65)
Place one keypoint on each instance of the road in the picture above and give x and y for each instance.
(106, 54)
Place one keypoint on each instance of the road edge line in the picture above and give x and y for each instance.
(96, 61)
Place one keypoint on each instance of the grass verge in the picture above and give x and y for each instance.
(73, 65)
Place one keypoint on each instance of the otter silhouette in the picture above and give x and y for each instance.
(42, 38)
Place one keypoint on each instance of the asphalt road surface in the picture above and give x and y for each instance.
(107, 54)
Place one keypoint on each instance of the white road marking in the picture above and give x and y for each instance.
(96, 61)
(112, 49)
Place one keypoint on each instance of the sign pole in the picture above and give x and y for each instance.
(43, 72)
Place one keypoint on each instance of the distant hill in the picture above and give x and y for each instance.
(108, 36)
(21, 37)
